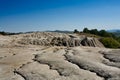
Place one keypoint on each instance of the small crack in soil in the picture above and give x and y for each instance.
(18, 73)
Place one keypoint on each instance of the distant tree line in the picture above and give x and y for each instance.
(102, 33)
(8, 33)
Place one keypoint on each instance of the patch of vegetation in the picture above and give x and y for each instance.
(110, 42)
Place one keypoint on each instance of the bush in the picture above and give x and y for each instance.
(85, 30)
(110, 43)
(76, 31)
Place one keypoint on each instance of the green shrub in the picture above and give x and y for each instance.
(110, 43)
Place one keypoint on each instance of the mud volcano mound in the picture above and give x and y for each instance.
(59, 39)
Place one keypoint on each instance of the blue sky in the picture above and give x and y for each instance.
(41, 15)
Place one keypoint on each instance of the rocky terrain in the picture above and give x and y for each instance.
(56, 56)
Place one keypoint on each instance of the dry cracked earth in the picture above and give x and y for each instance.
(35, 62)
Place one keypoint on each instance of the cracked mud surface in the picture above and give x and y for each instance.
(33, 62)
(59, 63)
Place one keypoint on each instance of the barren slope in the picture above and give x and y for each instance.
(36, 62)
